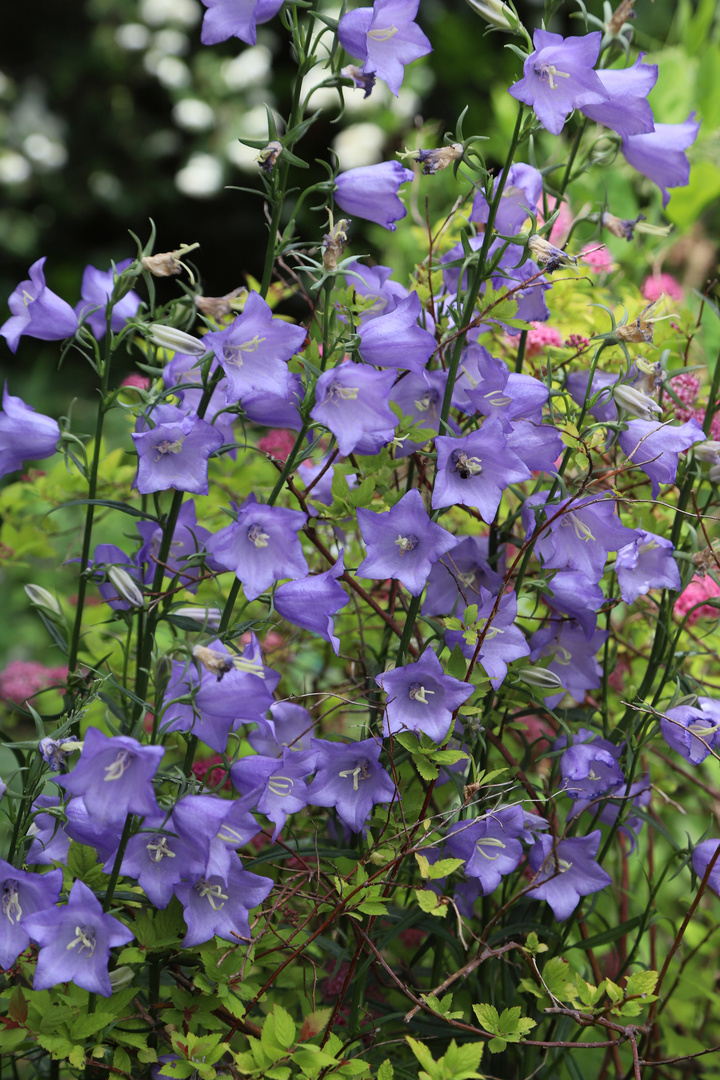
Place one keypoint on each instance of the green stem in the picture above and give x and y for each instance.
(118, 862)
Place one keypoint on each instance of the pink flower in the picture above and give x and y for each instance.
(699, 589)
(561, 226)
(657, 285)
(278, 442)
(577, 342)
(687, 387)
(213, 772)
(541, 337)
(22, 679)
(141, 382)
(597, 258)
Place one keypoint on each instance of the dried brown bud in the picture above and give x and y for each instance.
(168, 263)
(623, 228)
(469, 791)
(642, 328)
(622, 13)
(216, 663)
(434, 161)
(269, 155)
(706, 560)
(217, 306)
(334, 242)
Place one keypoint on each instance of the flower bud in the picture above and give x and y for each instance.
(269, 155)
(434, 161)
(334, 242)
(207, 617)
(635, 402)
(41, 598)
(540, 678)
(217, 306)
(168, 337)
(496, 13)
(121, 977)
(708, 452)
(624, 229)
(167, 263)
(127, 588)
(548, 255)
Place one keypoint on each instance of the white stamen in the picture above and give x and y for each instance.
(11, 902)
(117, 768)
(85, 939)
(213, 894)
(158, 848)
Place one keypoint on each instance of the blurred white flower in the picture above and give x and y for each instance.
(160, 12)
(193, 115)
(45, 152)
(132, 36)
(201, 177)
(251, 68)
(14, 168)
(359, 144)
(171, 42)
(169, 70)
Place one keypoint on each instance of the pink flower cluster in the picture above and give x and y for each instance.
(542, 337)
(687, 388)
(598, 258)
(22, 679)
(658, 285)
(278, 442)
(699, 589)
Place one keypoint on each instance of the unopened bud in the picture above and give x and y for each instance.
(541, 678)
(168, 337)
(649, 375)
(121, 977)
(622, 13)
(216, 663)
(269, 155)
(204, 616)
(334, 242)
(41, 598)
(635, 402)
(623, 228)
(127, 588)
(714, 474)
(217, 306)
(495, 12)
(548, 255)
(168, 263)
(708, 451)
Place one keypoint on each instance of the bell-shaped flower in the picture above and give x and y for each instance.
(559, 77)
(647, 563)
(279, 786)
(573, 657)
(618, 800)
(420, 395)
(188, 539)
(422, 698)
(351, 400)
(254, 350)
(83, 827)
(276, 410)
(693, 732)
(701, 856)
(589, 766)
(655, 447)
(158, 860)
(114, 776)
(50, 843)
(289, 725)
(570, 593)
(395, 340)
(660, 155)
(627, 109)
(216, 828)
(37, 311)
(604, 408)
(502, 643)
(120, 594)
(96, 289)
(221, 905)
(539, 446)
(376, 284)
(261, 547)
(350, 778)
(75, 942)
(371, 192)
(174, 453)
(508, 396)
(22, 895)
(489, 845)
(312, 602)
(455, 580)
(236, 18)
(567, 870)
(385, 37)
(402, 543)
(475, 470)
(521, 194)
(579, 533)
(25, 435)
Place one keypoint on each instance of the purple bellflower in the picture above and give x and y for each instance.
(475, 470)
(351, 400)
(422, 698)
(573, 657)
(376, 284)
(402, 543)
(96, 289)
(116, 591)
(559, 77)
(216, 905)
(395, 340)
(22, 895)
(701, 856)
(236, 18)
(521, 193)
(503, 641)
(188, 539)
(537, 445)
(50, 842)
(509, 397)
(158, 861)
(615, 801)
(489, 845)
(279, 785)
(574, 595)
(37, 312)
(276, 410)
(589, 767)
(385, 37)
(312, 602)
(216, 828)
(420, 396)
(647, 563)
(25, 435)
(655, 447)
(350, 778)
(455, 580)
(660, 155)
(83, 827)
(254, 350)
(567, 871)
(174, 453)
(580, 537)
(693, 732)
(370, 192)
(289, 725)
(576, 385)
(261, 547)
(626, 110)
(114, 777)
(75, 942)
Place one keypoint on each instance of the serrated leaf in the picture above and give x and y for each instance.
(85, 1026)
(612, 990)
(434, 871)
(555, 976)
(642, 982)
(426, 770)
(488, 1017)
(496, 1046)
(456, 664)
(385, 1071)
(430, 902)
